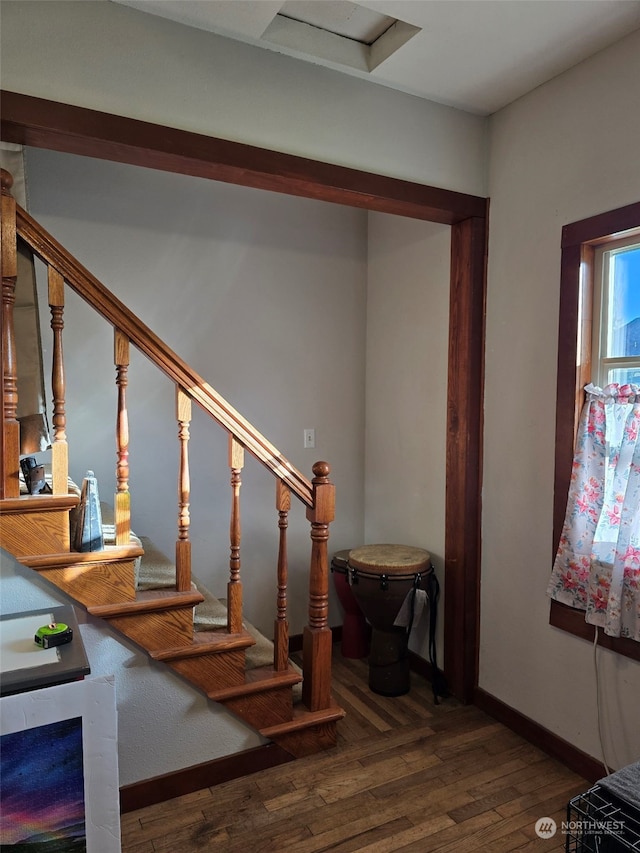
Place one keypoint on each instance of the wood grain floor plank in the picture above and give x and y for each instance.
(343, 811)
(379, 834)
(199, 836)
(177, 805)
(564, 789)
(445, 779)
(524, 779)
(286, 837)
(540, 845)
(291, 798)
(378, 828)
(158, 828)
(417, 833)
(391, 769)
(450, 834)
(393, 709)
(374, 718)
(407, 776)
(546, 773)
(145, 847)
(524, 821)
(498, 798)
(510, 842)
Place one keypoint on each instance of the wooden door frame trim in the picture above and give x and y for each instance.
(76, 130)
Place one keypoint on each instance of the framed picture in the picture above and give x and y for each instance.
(59, 768)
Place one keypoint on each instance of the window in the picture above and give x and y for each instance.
(616, 315)
(606, 241)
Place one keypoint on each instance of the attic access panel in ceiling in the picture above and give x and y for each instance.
(338, 31)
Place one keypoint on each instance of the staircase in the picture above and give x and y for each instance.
(208, 642)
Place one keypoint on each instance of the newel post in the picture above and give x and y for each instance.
(317, 641)
(10, 462)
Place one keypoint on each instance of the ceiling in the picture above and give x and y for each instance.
(476, 55)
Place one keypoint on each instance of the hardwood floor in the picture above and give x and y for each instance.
(406, 776)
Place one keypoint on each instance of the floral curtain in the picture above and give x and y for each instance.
(597, 567)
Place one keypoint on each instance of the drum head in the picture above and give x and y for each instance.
(389, 559)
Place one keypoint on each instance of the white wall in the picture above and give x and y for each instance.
(566, 151)
(264, 296)
(109, 57)
(406, 400)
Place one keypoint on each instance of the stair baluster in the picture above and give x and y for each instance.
(316, 650)
(234, 588)
(122, 498)
(59, 447)
(10, 464)
(183, 543)
(281, 626)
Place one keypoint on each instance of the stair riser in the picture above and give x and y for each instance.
(264, 709)
(310, 740)
(43, 532)
(95, 583)
(157, 630)
(209, 672)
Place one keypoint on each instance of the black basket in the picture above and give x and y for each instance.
(598, 822)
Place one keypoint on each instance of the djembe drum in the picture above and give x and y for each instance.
(381, 577)
(355, 631)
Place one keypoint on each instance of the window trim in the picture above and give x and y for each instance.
(579, 243)
(601, 307)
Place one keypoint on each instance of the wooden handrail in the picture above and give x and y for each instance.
(116, 312)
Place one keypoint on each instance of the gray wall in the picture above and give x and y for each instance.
(264, 296)
(406, 401)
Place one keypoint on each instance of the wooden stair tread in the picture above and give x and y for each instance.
(37, 503)
(148, 601)
(258, 680)
(303, 718)
(111, 553)
(206, 642)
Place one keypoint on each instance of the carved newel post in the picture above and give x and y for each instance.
(316, 690)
